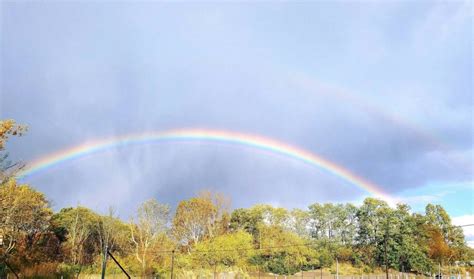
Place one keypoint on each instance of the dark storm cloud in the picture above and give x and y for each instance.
(79, 71)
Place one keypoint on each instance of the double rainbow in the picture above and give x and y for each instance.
(189, 135)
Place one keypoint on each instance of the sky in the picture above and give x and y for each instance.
(382, 89)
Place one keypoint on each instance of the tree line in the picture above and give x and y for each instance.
(204, 233)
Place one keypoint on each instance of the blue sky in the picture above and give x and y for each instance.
(383, 89)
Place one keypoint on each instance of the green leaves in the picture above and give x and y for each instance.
(229, 250)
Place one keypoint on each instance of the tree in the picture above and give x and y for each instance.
(111, 233)
(348, 225)
(8, 128)
(150, 224)
(371, 230)
(193, 220)
(218, 222)
(260, 215)
(438, 220)
(438, 248)
(79, 228)
(299, 222)
(246, 219)
(437, 216)
(229, 250)
(410, 253)
(283, 252)
(24, 213)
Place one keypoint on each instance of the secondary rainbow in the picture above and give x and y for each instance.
(205, 135)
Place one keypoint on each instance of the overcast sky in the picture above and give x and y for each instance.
(382, 89)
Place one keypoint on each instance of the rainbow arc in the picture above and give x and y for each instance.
(254, 141)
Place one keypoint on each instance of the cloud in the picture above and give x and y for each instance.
(103, 70)
(443, 19)
(468, 230)
(465, 220)
(424, 199)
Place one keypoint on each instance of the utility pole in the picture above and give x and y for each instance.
(385, 248)
(259, 248)
(172, 264)
(386, 259)
(337, 269)
(104, 261)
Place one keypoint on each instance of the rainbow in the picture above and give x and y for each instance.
(254, 141)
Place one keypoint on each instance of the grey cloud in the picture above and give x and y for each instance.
(89, 71)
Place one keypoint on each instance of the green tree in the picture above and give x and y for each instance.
(246, 219)
(227, 250)
(371, 230)
(298, 222)
(411, 254)
(283, 252)
(78, 228)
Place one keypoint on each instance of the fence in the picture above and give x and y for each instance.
(305, 275)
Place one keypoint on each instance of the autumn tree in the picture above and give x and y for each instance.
(219, 220)
(452, 246)
(24, 214)
(437, 216)
(193, 220)
(146, 229)
(7, 168)
(10, 128)
(112, 234)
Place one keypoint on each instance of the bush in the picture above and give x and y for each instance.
(43, 270)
